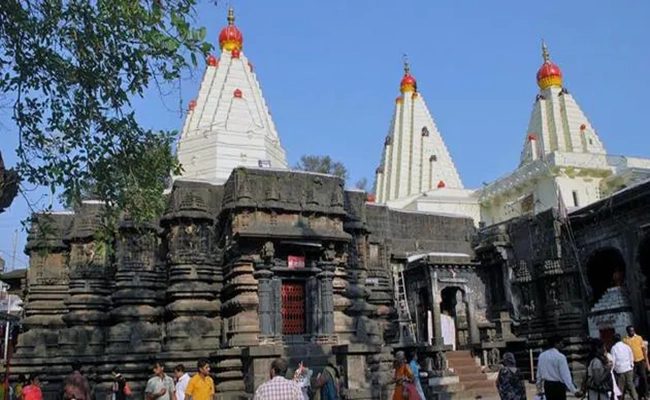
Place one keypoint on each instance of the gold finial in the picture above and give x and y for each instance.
(407, 66)
(231, 16)
(545, 55)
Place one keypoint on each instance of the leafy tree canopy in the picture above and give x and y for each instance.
(323, 165)
(71, 68)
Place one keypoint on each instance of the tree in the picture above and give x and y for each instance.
(362, 184)
(72, 68)
(323, 165)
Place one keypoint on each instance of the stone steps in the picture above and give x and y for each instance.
(472, 381)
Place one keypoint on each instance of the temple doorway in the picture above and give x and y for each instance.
(453, 317)
(605, 269)
(293, 307)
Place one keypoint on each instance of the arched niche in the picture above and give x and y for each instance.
(644, 262)
(605, 269)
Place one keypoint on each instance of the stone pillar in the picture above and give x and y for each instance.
(356, 362)
(436, 300)
(327, 298)
(91, 277)
(136, 303)
(47, 282)
(265, 293)
(474, 336)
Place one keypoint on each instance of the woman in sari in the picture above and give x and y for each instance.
(404, 387)
(415, 368)
(327, 384)
(510, 383)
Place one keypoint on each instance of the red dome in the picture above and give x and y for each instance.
(212, 61)
(441, 184)
(231, 37)
(237, 93)
(408, 83)
(235, 53)
(549, 74)
(192, 105)
(370, 198)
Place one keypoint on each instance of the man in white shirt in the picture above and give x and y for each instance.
(553, 376)
(623, 367)
(182, 379)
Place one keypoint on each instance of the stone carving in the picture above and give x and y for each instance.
(268, 252)
(494, 357)
(439, 361)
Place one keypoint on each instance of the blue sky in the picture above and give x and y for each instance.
(330, 72)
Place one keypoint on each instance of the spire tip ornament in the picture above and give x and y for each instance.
(549, 74)
(230, 37)
(408, 83)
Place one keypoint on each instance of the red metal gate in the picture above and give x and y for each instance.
(293, 308)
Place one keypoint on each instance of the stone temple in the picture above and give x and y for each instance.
(252, 261)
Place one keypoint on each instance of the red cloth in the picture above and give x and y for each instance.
(32, 392)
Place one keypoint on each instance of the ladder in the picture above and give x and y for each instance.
(406, 325)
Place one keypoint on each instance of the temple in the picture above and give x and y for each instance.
(249, 263)
(563, 162)
(229, 124)
(416, 171)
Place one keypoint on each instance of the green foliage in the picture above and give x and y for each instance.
(323, 165)
(72, 67)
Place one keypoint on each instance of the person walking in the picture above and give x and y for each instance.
(327, 384)
(201, 386)
(160, 386)
(182, 379)
(278, 387)
(75, 385)
(404, 387)
(510, 383)
(599, 384)
(641, 365)
(33, 390)
(553, 375)
(120, 390)
(623, 359)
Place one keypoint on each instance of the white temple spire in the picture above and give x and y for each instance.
(229, 124)
(415, 159)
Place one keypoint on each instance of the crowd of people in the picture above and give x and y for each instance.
(616, 374)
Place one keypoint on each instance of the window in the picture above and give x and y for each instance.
(575, 198)
(425, 132)
(433, 158)
(293, 308)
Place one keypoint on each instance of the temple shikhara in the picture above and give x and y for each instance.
(253, 261)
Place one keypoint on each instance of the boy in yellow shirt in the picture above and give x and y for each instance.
(201, 386)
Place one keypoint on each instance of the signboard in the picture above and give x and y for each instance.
(296, 262)
(264, 163)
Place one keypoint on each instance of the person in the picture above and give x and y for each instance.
(119, 386)
(75, 385)
(278, 387)
(415, 368)
(18, 390)
(201, 386)
(302, 377)
(403, 379)
(182, 379)
(33, 390)
(327, 384)
(510, 384)
(599, 384)
(160, 386)
(640, 352)
(623, 360)
(553, 376)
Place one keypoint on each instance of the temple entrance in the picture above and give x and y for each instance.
(453, 318)
(605, 269)
(293, 308)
